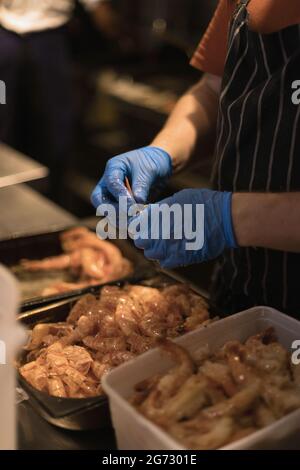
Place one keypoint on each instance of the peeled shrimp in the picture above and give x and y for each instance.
(190, 398)
(204, 434)
(169, 384)
(236, 405)
(219, 374)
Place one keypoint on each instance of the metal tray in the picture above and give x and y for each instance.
(48, 244)
(70, 413)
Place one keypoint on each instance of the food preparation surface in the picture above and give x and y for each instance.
(24, 211)
(16, 168)
(34, 433)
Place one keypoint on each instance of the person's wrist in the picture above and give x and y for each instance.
(164, 142)
(167, 159)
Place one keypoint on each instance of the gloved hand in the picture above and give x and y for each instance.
(145, 168)
(212, 232)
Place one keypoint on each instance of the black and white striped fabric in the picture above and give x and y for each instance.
(258, 150)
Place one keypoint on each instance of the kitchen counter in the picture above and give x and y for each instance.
(34, 433)
(25, 211)
(17, 168)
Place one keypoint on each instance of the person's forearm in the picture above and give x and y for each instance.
(267, 220)
(193, 120)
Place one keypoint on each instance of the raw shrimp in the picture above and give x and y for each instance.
(107, 260)
(56, 361)
(90, 240)
(35, 374)
(151, 309)
(116, 358)
(42, 330)
(126, 316)
(143, 388)
(109, 328)
(73, 378)
(88, 325)
(104, 345)
(47, 264)
(68, 286)
(37, 335)
(220, 375)
(83, 306)
(204, 434)
(191, 306)
(234, 353)
(190, 398)
(100, 369)
(145, 294)
(198, 313)
(236, 405)
(234, 392)
(140, 344)
(281, 401)
(74, 233)
(265, 354)
(78, 358)
(117, 269)
(56, 387)
(101, 334)
(296, 374)
(93, 263)
(169, 384)
(263, 416)
(88, 259)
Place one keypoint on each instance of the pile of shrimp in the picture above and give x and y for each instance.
(68, 359)
(220, 398)
(88, 259)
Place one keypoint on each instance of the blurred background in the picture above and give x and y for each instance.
(124, 88)
(99, 85)
(125, 77)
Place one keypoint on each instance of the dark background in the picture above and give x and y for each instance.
(158, 39)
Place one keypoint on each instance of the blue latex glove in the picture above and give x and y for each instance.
(145, 168)
(218, 230)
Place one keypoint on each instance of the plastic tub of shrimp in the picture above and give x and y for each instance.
(54, 266)
(135, 431)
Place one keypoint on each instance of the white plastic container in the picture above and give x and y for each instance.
(135, 432)
(11, 337)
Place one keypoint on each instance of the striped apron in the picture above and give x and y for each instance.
(258, 150)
